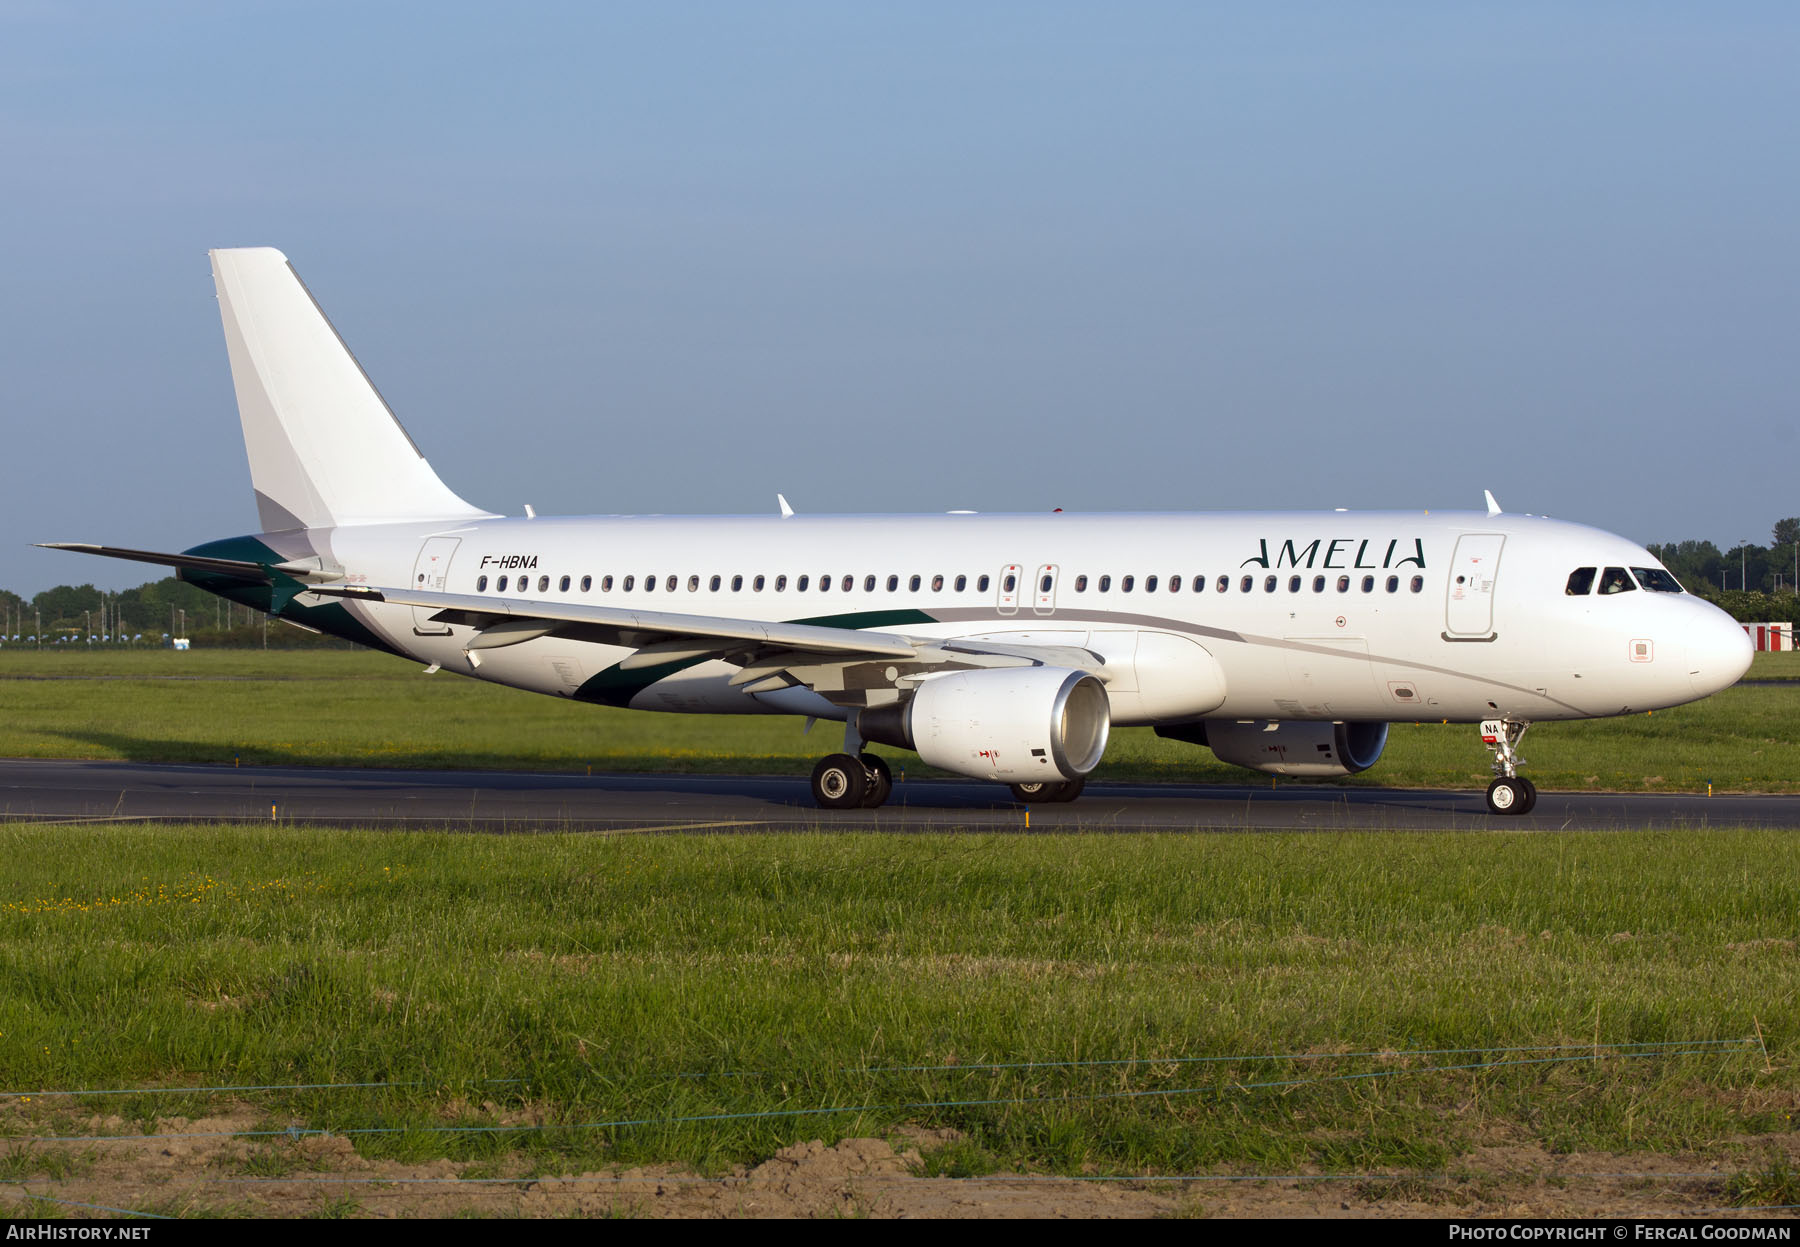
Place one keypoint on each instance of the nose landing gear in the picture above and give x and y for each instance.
(1510, 793)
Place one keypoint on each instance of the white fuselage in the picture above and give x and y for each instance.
(1396, 615)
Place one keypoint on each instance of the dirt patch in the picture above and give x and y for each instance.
(206, 1165)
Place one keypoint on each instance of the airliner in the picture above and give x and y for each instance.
(998, 647)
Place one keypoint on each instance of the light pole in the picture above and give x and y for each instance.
(1743, 562)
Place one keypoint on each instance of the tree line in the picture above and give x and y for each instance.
(148, 615)
(1753, 583)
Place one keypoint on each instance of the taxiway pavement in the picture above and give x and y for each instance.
(524, 802)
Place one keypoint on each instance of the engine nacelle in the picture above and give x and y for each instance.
(1288, 746)
(1017, 724)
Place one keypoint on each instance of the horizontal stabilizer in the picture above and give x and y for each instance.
(240, 569)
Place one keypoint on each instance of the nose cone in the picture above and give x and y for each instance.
(1719, 652)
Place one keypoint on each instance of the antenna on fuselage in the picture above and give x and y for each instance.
(787, 512)
(1493, 507)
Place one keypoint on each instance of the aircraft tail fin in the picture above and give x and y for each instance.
(325, 450)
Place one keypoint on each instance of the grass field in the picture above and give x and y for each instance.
(1358, 1003)
(652, 980)
(367, 709)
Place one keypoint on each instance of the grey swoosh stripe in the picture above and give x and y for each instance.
(983, 615)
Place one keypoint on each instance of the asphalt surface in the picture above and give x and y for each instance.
(520, 802)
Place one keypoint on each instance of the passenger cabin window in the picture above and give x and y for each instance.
(563, 584)
(1081, 584)
(981, 585)
(1656, 580)
(869, 584)
(543, 584)
(671, 585)
(799, 585)
(1343, 584)
(1126, 582)
(1149, 584)
(1105, 583)
(1393, 584)
(1269, 584)
(500, 585)
(1581, 582)
(1245, 583)
(693, 584)
(1174, 584)
(757, 584)
(713, 584)
(893, 583)
(650, 583)
(1418, 583)
(1616, 580)
(1293, 584)
(1011, 582)
(781, 583)
(1368, 585)
(481, 584)
(737, 584)
(962, 582)
(606, 584)
(937, 584)
(1318, 584)
(1199, 584)
(850, 583)
(913, 584)
(629, 582)
(587, 582)
(1224, 584)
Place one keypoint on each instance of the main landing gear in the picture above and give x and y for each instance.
(1032, 793)
(1510, 793)
(842, 782)
(852, 779)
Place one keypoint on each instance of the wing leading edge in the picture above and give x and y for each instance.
(845, 665)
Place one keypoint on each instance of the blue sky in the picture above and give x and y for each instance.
(913, 257)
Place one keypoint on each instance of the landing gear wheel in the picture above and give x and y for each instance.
(1509, 796)
(1032, 794)
(839, 782)
(1510, 793)
(1530, 794)
(880, 780)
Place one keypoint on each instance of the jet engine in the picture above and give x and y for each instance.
(1287, 746)
(1015, 724)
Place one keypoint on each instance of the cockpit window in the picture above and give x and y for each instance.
(1581, 582)
(1616, 580)
(1656, 580)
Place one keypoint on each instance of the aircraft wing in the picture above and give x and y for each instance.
(842, 664)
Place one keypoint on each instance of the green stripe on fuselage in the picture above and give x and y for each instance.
(614, 687)
(276, 599)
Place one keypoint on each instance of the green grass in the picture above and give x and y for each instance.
(646, 980)
(364, 709)
(1774, 1185)
(1782, 666)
